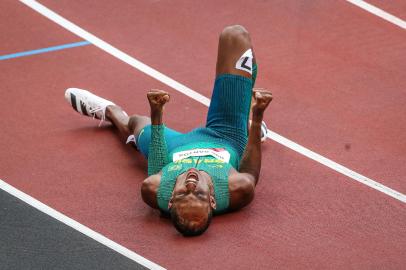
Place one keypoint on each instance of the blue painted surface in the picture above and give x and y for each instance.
(45, 50)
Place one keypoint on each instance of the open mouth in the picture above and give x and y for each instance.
(192, 177)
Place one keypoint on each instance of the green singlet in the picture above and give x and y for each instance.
(216, 168)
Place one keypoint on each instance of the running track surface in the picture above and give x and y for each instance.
(337, 74)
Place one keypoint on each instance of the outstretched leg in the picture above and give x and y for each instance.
(126, 125)
(135, 129)
(89, 104)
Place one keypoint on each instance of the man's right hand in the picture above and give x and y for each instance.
(157, 99)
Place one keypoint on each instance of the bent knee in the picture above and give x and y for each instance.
(137, 122)
(132, 122)
(234, 32)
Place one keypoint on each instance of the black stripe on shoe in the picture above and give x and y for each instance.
(73, 101)
(83, 108)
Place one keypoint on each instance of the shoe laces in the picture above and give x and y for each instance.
(95, 110)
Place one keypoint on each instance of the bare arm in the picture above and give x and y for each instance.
(251, 159)
(158, 156)
(157, 149)
(242, 184)
(149, 190)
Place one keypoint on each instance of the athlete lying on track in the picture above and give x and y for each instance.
(211, 169)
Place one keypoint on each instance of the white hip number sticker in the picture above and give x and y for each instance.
(245, 62)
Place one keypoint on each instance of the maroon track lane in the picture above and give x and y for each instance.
(13, 28)
(304, 214)
(336, 70)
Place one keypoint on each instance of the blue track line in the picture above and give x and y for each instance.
(45, 50)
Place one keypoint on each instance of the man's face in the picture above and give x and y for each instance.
(193, 196)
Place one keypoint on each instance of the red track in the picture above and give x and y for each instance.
(337, 74)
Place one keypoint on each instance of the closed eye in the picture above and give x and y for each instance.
(180, 194)
(201, 195)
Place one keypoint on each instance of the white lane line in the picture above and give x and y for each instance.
(379, 12)
(189, 92)
(77, 226)
(336, 167)
(115, 52)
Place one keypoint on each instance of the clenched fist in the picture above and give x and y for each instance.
(262, 98)
(157, 99)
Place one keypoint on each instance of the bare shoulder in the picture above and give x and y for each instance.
(149, 189)
(241, 187)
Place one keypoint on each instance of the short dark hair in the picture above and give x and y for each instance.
(184, 227)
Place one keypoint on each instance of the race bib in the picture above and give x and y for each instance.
(218, 153)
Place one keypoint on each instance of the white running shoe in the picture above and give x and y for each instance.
(264, 131)
(87, 103)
